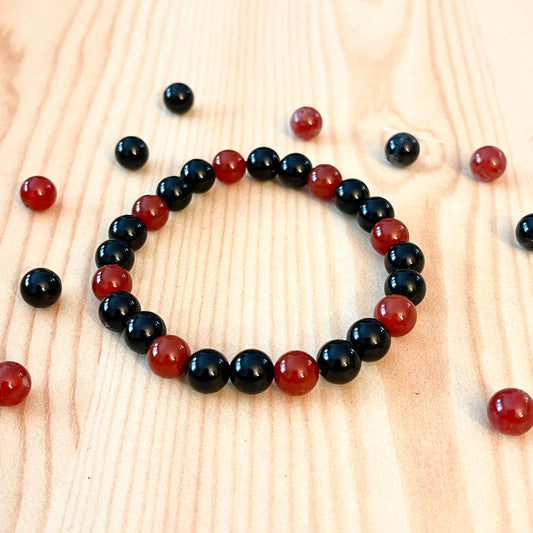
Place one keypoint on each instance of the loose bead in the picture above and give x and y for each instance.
(488, 163)
(142, 329)
(372, 210)
(323, 180)
(110, 278)
(251, 371)
(116, 309)
(128, 229)
(408, 283)
(15, 383)
(338, 361)
(263, 164)
(38, 193)
(178, 98)
(350, 194)
(294, 170)
(175, 192)
(151, 210)
(370, 338)
(199, 174)
(167, 356)
(397, 313)
(296, 373)
(40, 287)
(306, 122)
(229, 166)
(386, 232)
(402, 149)
(404, 255)
(131, 152)
(113, 252)
(207, 371)
(524, 232)
(510, 411)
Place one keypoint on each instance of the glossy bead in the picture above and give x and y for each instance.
(408, 283)
(207, 371)
(397, 313)
(167, 356)
(350, 194)
(251, 371)
(38, 193)
(15, 383)
(323, 180)
(176, 192)
(524, 232)
(110, 278)
(131, 152)
(113, 252)
(510, 411)
(372, 210)
(296, 373)
(294, 170)
(229, 166)
(404, 255)
(370, 338)
(142, 329)
(402, 150)
(386, 232)
(117, 308)
(128, 229)
(40, 287)
(488, 163)
(306, 122)
(199, 174)
(151, 210)
(263, 164)
(178, 98)
(338, 361)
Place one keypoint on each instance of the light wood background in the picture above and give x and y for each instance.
(101, 444)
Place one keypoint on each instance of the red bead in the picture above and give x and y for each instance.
(110, 278)
(488, 163)
(151, 210)
(397, 313)
(167, 356)
(510, 411)
(38, 193)
(323, 180)
(296, 373)
(386, 232)
(229, 166)
(306, 123)
(15, 383)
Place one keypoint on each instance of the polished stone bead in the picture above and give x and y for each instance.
(404, 255)
(175, 191)
(338, 361)
(113, 252)
(397, 313)
(142, 329)
(296, 373)
(110, 278)
(386, 232)
(323, 180)
(199, 174)
(131, 152)
(306, 122)
(263, 164)
(207, 371)
(128, 229)
(350, 194)
(251, 371)
(294, 170)
(372, 210)
(510, 411)
(408, 283)
(40, 287)
(178, 98)
(370, 338)
(488, 163)
(524, 232)
(117, 308)
(15, 383)
(38, 193)
(167, 356)
(402, 149)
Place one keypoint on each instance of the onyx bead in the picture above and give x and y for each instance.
(524, 232)
(40, 287)
(338, 361)
(199, 175)
(114, 252)
(117, 308)
(350, 194)
(294, 170)
(175, 192)
(402, 150)
(408, 283)
(263, 164)
(372, 210)
(404, 255)
(370, 338)
(128, 229)
(142, 329)
(178, 98)
(207, 371)
(131, 152)
(251, 371)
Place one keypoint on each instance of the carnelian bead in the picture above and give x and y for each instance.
(488, 163)
(229, 166)
(38, 193)
(110, 278)
(397, 313)
(15, 383)
(510, 411)
(296, 373)
(306, 123)
(323, 180)
(387, 232)
(167, 356)
(151, 210)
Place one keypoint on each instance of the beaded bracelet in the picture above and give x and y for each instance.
(252, 371)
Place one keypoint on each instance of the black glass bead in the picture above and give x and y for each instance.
(131, 152)
(128, 229)
(402, 150)
(175, 192)
(207, 371)
(370, 338)
(338, 361)
(408, 283)
(142, 329)
(40, 287)
(114, 252)
(404, 255)
(372, 210)
(251, 371)
(263, 164)
(199, 175)
(350, 194)
(524, 232)
(294, 169)
(178, 98)
(117, 308)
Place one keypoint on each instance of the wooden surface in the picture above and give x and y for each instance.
(101, 444)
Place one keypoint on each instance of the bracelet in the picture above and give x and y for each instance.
(252, 371)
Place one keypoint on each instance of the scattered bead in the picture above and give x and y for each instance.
(229, 166)
(510, 411)
(131, 152)
(151, 210)
(397, 313)
(110, 278)
(338, 361)
(142, 329)
(128, 229)
(386, 232)
(370, 338)
(116, 309)
(350, 194)
(306, 123)
(40, 287)
(167, 356)
(38, 193)
(408, 283)
(176, 192)
(263, 164)
(323, 180)
(524, 232)
(372, 210)
(114, 252)
(294, 170)
(178, 98)
(296, 373)
(404, 255)
(251, 371)
(488, 163)
(15, 383)
(207, 371)
(402, 150)
(199, 174)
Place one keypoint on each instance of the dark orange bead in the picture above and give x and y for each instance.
(488, 163)
(151, 210)
(167, 356)
(296, 373)
(229, 166)
(38, 193)
(510, 411)
(323, 180)
(397, 313)
(110, 278)
(15, 383)
(306, 122)
(386, 232)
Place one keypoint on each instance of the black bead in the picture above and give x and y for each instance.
(338, 361)
(524, 232)
(128, 229)
(294, 169)
(178, 98)
(252, 371)
(142, 329)
(404, 255)
(175, 192)
(199, 175)
(263, 164)
(131, 152)
(40, 287)
(349, 195)
(408, 283)
(207, 371)
(372, 210)
(117, 308)
(370, 338)
(402, 149)
(114, 252)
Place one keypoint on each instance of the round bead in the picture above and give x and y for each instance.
(38, 193)
(350, 194)
(294, 170)
(151, 210)
(15, 383)
(386, 232)
(113, 252)
(372, 210)
(510, 411)
(370, 338)
(397, 313)
(524, 232)
(167, 356)
(338, 361)
(408, 283)
(40, 287)
(488, 163)
(207, 371)
(110, 278)
(175, 192)
(199, 174)
(178, 98)
(131, 152)
(229, 166)
(296, 373)
(142, 329)
(402, 150)
(404, 255)
(323, 180)
(251, 371)
(117, 308)
(263, 164)
(306, 122)
(128, 229)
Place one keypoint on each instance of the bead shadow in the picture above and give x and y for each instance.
(471, 401)
(505, 233)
